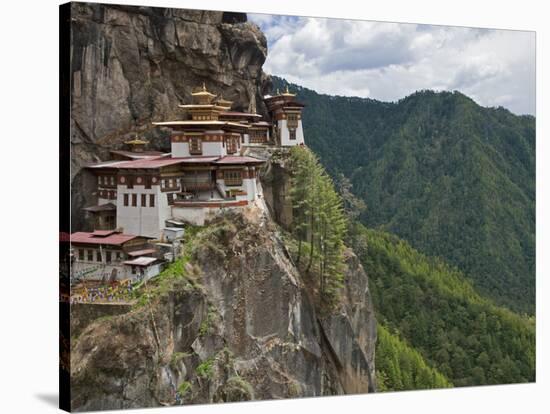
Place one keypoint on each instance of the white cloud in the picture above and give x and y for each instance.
(388, 61)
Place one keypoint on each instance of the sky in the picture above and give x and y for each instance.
(388, 61)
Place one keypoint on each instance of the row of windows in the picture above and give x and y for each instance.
(170, 183)
(104, 180)
(203, 118)
(97, 256)
(292, 117)
(258, 136)
(143, 199)
(195, 145)
(232, 177)
(111, 195)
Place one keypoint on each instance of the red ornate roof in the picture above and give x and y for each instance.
(97, 237)
(230, 159)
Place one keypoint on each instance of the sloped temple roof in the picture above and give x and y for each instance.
(106, 238)
(154, 163)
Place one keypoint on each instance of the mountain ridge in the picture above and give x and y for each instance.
(455, 179)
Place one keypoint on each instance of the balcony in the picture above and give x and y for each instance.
(197, 186)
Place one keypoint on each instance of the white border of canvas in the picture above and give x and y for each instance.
(29, 74)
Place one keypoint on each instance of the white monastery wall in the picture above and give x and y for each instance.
(142, 220)
(249, 185)
(180, 149)
(285, 136)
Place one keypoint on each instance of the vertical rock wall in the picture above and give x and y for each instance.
(134, 65)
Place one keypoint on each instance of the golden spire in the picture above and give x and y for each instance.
(287, 92)
(203, 92)
(277, 92)
(136, 141)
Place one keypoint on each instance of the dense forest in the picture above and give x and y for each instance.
(435, 330)
(431, 306)
(400, 367)
(452, 178)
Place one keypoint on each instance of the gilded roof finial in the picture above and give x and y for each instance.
(203, 87)
(278, 93)
(286, 90)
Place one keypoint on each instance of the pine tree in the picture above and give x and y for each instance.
(318, 221)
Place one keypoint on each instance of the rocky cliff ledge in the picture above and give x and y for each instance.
(133, 65)
(234, 323)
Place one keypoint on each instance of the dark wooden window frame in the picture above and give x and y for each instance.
(195, 145)
(233, 177)
(292, 134)
(232, 144)
(170, 198)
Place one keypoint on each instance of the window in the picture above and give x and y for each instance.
(90, 255)
(195, 145)
(292, 134)
(108, 256)
(232, 177)
(126, 200)
(134, 200)
(100, 180)
(81, 254)
(98, 255)
(151, 200)
(170, 197)
(257, 136)
(231, 146)
(112, 180)
(292, 121)
(144, 200)
(131, 182)
(148, 182)
(170, 183)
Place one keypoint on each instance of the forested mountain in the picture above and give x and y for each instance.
(454, 179)
(400, 367)
(431, 306)
(435, 330)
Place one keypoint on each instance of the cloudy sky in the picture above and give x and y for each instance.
(388, 61)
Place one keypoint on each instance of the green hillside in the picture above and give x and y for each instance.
(454, 179)
(399, 367)
(437, 312)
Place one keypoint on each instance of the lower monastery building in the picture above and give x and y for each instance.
(143, 193)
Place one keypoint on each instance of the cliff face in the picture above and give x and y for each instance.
(134, 65)
(239, 325)
(237, 322)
